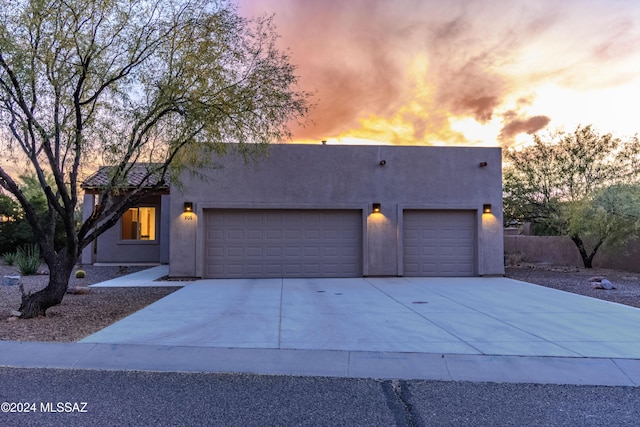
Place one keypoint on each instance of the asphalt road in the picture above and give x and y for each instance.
(111, 398)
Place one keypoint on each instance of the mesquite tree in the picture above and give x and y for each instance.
(125, 83)
(583, 185)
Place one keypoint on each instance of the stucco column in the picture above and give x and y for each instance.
(88, 203)
(492, 242)
(382, 243)
(184, 226)
(165, 208)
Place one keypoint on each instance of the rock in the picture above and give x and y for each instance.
(606, 284)
(600, 282)
(79, 290)
(10, 280)
(12, 319)
(603, 284)
(15, 313)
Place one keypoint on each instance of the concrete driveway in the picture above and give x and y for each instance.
(465, 316)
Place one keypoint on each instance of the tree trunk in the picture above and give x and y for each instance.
(587, 259)
(36, 304)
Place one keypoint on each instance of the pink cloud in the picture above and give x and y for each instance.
(355, 55)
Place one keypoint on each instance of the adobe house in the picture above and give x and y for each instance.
(320, 211)
(341, 211)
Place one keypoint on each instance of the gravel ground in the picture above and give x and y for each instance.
(81, 315)
(576, 280)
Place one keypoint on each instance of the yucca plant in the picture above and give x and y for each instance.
(9, 258)
(28, 260)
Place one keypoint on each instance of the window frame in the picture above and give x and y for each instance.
(137, 240)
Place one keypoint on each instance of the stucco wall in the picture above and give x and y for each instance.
(330, 176)
(111, 249)
(562, 251)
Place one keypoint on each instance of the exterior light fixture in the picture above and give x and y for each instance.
(376, 208)
(483, 164)
(486, 208)
(188, 207)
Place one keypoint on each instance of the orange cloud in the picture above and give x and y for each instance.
(404, 71)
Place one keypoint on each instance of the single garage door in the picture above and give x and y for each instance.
(282, 243)
(439, 243)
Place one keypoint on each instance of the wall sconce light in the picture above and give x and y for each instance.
(486, 208)
(376, 208)
(483, 164)
(188, 207)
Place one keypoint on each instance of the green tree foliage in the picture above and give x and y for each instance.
(582, 185)
(11, 236)
(15, 231)
(127, 82)
(8, 208)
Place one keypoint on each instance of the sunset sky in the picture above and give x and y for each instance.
(461, 72)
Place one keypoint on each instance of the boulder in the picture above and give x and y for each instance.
(10, 280)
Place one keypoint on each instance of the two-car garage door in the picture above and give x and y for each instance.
(283, 243)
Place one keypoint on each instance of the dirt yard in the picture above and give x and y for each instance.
(79, 315)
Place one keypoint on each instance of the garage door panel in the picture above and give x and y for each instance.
(349, 235)
(234, 235)
(294, 235)
(311, 252)
(309, 270)
(254, 235)
(234, 252)
(277, 243)
(264, 270)
(312, 234)
(234, 268)
(214, 234)
(333, 252)
(331, 234)
(273, 251)
(439, 243)
(292, 252)
(273, 234)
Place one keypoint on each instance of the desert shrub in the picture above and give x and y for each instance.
(28, 260)
(514, 258)
(9, 258)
